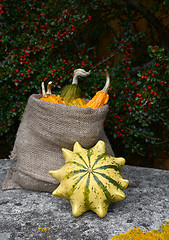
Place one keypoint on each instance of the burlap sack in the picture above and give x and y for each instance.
(45, 129)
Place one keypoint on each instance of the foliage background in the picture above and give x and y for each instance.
(47, 40)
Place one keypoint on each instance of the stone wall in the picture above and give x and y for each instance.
(34, 215)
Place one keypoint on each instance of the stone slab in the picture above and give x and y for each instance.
(24, 212)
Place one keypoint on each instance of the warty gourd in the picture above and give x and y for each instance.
(101, 97)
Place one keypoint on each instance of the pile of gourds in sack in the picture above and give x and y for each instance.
(71, 94)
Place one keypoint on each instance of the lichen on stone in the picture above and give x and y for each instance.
(138, 234)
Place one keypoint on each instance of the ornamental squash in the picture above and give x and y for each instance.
(73, 91)
(49, 97)
(90, 179)
(101, 97)
(78, 102)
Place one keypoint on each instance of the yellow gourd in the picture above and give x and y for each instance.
(90, 179)
(101, 97)
(49, 97)
(78, 102)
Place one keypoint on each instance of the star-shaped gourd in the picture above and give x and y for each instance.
(90, 179)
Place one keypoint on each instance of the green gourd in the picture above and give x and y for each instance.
(73, 91)
(90, 179)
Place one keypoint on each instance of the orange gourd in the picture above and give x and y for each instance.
(49, 97)
(101, 97)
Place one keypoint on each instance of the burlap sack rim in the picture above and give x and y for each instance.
(36, 98)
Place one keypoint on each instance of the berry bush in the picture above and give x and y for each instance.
(48, 40)
(139, 107)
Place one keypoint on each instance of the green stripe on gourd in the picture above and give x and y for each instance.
(90, 179)
(82, 159)
(107, 167)
(73, 91)
(78, 181)
(78, 164)
(87, 192)
(111, 180)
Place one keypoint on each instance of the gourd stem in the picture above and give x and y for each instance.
(49, 88)
(79, 72)
(107, 85)
(43, 89)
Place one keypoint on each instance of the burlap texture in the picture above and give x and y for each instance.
(45, 129)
